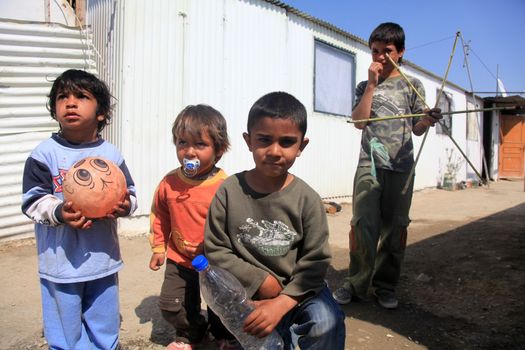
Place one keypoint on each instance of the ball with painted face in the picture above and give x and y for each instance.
(94, 185)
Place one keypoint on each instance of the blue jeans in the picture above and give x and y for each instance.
(82, 315)
(316, 323)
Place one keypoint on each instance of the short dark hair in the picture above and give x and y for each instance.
(389, 32)
(75, 81)
(278, 105)
(194, 119)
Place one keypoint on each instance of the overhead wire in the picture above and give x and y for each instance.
(466, 53)
(483, 63)
(430, 43)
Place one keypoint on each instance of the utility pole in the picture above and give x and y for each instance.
(497, 80)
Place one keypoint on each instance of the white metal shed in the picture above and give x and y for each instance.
(159, 56)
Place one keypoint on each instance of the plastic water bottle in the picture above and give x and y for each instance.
(225, 295)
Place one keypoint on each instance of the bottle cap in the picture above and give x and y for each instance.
(200, 262)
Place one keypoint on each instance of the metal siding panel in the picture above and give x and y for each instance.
(204, 59)
(151, 90)
(255, 39)
(102, 16)
(31, 56)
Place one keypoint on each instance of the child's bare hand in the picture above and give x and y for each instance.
(156, 261)
(270, 288)
(74, 218)
(265, 317)
(192, 251)
(374, 71)
(434, 115)
(121, 209)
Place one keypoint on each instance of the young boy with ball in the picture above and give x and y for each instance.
(78, 256)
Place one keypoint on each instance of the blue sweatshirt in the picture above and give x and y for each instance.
(65, 254)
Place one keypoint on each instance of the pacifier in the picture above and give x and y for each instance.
(190, 167)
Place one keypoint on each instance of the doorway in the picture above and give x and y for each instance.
(512, 145)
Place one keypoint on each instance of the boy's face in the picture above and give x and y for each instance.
(275, 144)
(379, 51)
(77, 115)
(197, 148)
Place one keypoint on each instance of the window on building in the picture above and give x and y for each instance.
(446, 105)
(334, 80)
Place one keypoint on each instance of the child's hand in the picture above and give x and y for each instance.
(156, 261)
(74, 218)
(270, 288)
(267, 314)
(192, 251)
(374, 71)
(121, 209)
(434, 115)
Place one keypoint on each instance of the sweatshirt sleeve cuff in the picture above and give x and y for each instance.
(58, 214)
(158, 249)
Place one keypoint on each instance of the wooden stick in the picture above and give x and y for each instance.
(419, 115)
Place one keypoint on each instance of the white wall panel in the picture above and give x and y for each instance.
(255, 38)
(152, 61)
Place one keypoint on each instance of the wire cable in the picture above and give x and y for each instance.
(429, 43)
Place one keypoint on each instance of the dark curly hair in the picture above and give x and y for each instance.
(75, 81)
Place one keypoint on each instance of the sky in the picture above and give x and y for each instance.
(493, 33)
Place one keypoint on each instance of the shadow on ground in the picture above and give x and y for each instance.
(162, 333)
(462, 289)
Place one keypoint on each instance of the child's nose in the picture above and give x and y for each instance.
(71, 101)
(274, 149)
(190, 152)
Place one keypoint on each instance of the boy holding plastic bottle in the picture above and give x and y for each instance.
(269, 229)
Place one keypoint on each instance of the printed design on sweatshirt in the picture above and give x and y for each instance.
(267, 238)
(58, 180)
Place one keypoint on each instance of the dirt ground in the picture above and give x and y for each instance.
(461, 288)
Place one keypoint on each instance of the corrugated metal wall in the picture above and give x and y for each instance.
(103, 18)
(31, 56)
(228, 53)
(224, 53)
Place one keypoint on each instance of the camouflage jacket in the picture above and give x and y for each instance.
(392, 96)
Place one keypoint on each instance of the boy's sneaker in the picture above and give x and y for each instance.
(229, 344)
(342, 295)
(386, 298)
(178, 345)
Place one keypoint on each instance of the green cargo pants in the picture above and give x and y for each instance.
(378, 230)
